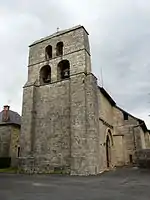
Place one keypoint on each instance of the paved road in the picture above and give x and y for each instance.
(123, 184)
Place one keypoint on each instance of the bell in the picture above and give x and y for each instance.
(66, 73)
(47, 79)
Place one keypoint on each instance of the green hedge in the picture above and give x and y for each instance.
(5, 162)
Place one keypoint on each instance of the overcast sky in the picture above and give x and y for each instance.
(119, 37)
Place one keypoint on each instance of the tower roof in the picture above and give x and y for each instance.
(9, 117)
(58, 33)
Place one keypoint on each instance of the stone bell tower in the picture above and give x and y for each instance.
(59, 105)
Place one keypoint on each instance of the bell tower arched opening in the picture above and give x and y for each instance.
(63, 70)
(48, 52)
(45, 75)
(59, 49)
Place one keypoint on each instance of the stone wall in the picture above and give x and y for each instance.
(27, 126)
(65, 126)
(52, 123)
(92, 124)
(14, 145)
(132, 136)
(147, 139)
(5, 139)
(143, 158)
(105, 125)
(9, 140)
(119, 137)
(78, 126)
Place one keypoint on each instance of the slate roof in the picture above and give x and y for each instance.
(113, 103)
(14, 118)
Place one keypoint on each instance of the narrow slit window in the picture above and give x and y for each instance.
(18, 152)
(125, 116)
(130, 158)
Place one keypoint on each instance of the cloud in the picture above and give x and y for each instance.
(119, 37)
(21, 23)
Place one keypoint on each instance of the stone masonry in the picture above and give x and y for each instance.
(68, 121)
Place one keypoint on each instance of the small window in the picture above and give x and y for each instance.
(63, 70)
(45, 74)
(59, 49)
(48, 52)
(130, 158)
(18, 152)
(125, 116)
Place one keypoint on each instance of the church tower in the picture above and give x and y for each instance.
(59, 116)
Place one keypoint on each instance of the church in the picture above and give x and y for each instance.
(69, 122)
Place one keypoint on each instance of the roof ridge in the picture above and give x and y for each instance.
(55, 34)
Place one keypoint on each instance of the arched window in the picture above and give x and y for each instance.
(59, 49)
(45, 74)
(48, 52)
(109, 144)
(63, 70)
(108, 151)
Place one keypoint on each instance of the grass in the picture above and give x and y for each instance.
(59, 172)
(9, 170)
(12, 170)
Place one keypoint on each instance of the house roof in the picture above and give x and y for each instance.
(141, 122)
(113, 103)
(14, 118)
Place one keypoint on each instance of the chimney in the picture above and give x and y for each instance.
(5, 115)
(6, 107)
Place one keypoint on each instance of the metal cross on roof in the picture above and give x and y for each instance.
(57, 29)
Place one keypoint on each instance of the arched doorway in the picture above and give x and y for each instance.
(108, 148)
